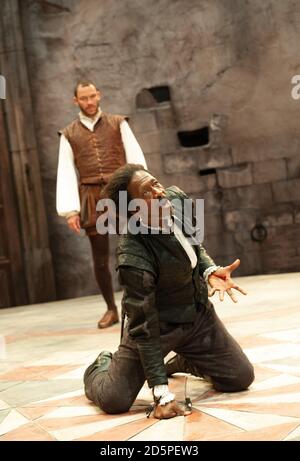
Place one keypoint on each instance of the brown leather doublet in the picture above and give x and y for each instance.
(97, 154)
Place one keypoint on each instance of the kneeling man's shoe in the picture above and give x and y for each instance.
(101, 363)
(103, 360)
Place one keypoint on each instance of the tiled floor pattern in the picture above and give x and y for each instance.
(44, 350)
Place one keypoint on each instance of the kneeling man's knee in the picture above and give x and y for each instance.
(113, 404)
(240, 382)
(245, 378)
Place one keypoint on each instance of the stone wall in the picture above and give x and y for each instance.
(228, 65)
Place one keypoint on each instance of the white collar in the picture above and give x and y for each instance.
(93, 120)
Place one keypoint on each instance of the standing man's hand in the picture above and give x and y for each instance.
(221, 281)
(74, 223)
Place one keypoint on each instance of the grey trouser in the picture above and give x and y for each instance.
(206, 345)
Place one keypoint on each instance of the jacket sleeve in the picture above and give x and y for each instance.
(143, 322)
(205, 261)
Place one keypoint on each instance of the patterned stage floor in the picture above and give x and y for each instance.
(44, 350)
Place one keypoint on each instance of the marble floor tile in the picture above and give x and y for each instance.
(72, 422)
(247, 342)
(272, 433)
(291, 336)
(7, 384)
(262, 372)
(4, 405)
(76, 373)
(65, 396)
(13, 420)
(64, 358)
(292, 397)
(28, 432)
(293, 433)
(28, 392)
(69, 412)
(122, 432)
(167, 429)
(276, 351)
(291, 369)
(3, 414)
(76, 432)
(278, 409)
(246, 420)
(33, 373)
(33, 413)
(274, 382)
(201, 426)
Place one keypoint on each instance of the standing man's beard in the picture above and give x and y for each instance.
(89, 114)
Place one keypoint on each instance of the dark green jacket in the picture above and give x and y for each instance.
(159, 286)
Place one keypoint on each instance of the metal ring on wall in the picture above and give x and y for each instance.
(259, 233)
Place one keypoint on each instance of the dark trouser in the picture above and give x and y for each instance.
(206, 345)
(100, 251)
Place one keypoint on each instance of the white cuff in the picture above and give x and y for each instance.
(210, 270)
(162, 391)
(70, 214)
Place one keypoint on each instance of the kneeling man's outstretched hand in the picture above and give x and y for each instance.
(221, 281)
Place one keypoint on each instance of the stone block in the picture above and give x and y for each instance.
(269, 171)
(293, 166)
(180, 162)
(149, 142)
(217, 126)
(213, 201)
(207, 182)
(250, 264)
(143, 122)
(254, 150)
(281, 214)
(244, 241)
(169, 141)
(286, 191)
(221, 245)
(165, 118)
(196, 159)
(235, 176)
(255, 197)
(214, 158)
(284, 239)
(192, 183)
(240, 220)
(213, 224)
(274, 262)
(154, 164)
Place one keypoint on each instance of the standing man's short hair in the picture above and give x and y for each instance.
(83, 83)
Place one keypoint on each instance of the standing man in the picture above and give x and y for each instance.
(91, 148)
(166, 303)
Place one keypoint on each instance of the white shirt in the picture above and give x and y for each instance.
(185, 245)
(67, 193)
